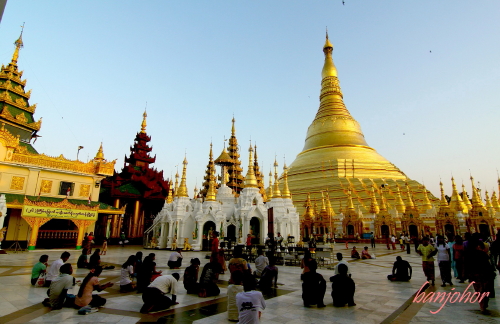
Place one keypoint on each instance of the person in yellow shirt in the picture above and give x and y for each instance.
(427, 252)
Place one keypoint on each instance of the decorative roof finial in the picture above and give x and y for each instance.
(250, 179)
(19, 44)
(182, 191)
(100, 154)
(143, 125)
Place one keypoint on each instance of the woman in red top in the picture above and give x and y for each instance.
(458, 257)
(215, 251)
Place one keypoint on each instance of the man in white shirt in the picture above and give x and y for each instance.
(250, 303)
(55, 266)
(175, 260)
(339, 257)
(154, 295)
(260, 263)
(59, 287)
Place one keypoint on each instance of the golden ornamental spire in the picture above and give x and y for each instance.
(400, 205)
(100, 154)
(487, 199)
(350, 204)
(195, 192)
(476, 199)
(426, 203)
(494, 201)
(270, 188)
(308, 206)
(176, 188)
(170, 197)
(456, 202)
(383, 205)
(443, 202)
(374, 208)
(233, 129)
(329, 205)
(19, 44)
(259, 176)
(323, 205)
(250, 180)
(211, 194)
(409, 203)
(465, 198)
(286, 190)
(143, 124)
(182, 191)
(276, 189)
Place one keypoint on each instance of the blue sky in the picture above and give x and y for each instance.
(421, 77)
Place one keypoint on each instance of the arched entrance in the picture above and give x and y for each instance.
(484, 229)
(449, 231)
(413, 229)
(231, 233)
(255, 230)
(60, 233)
(350, 230)
(384, 229)
(208, 228)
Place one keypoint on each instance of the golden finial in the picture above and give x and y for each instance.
(100, 155)
(183, 192)
(323, 205)
(170, 197)
(494, 201)
(250, 179)
(276, 189)
(409, 203)
(329, 204)
(270, 188)
(195, 192)
(400, 205)
(286, 191)
(476, 199)
(327, 42)
(487, 200)
(143, 125)
(456, 202)
(176, 188)
(350, 204)
(426, 203)
(329, 69)
(443, 201)
(383, 205)
(233, 129)
(211, 194)
(19, 44)
(374, 208)
(465, 198)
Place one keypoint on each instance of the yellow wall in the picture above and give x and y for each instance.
(16, 221)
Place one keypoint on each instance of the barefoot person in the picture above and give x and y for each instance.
(154, 296)
(427, 252)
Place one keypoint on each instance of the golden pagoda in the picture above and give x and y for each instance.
(336, 156)
(235, 170)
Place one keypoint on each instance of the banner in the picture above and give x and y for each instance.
(60, 213)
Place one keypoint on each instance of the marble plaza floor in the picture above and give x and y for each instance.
(377, 299)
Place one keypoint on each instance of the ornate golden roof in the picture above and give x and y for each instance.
(336, 154)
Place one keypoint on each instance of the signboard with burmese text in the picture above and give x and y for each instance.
(61, 213)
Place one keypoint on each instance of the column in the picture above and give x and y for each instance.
(35, 223)
(82, 225)
(135, 221)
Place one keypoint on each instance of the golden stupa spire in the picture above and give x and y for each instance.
(170, 197)
(487, 199)
(195, 192)
(383, 205)
(476, 199)
(323, 205)
(143, 124)
(409, 203)
(286, 191)
(374, 208)
(494, 201)
(350, 204)
(426, 204)
(341, 210)
(270, 188)
(176, 187)
(329, 205)
(276, 189)
(443, 202)
(182, 191)
(456, 202)
(19, 44)
(250, 179)
(211, 194)
(100, 154)
(400, 205)
(233, 129)
(309, 207)
(465, 198)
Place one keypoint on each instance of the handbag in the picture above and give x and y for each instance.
(40, 282)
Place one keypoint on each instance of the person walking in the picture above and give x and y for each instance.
(393, 242)
(458, 257)
(427, 252)
(443, 258)
(372, 240)
(407, 242)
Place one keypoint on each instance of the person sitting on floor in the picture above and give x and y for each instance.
(232, 290)
(83, 260)
(175, 260)
(344, 262)
(154, 295)
(313, 286)
(126, 273)
(53, 271)
(354, 253)
(269, 275)
(208, 279)
(401, 271)
(250, 303)
(38, 268)
(261, 262)
(365, 254)
(191, 277)
(89, 284)
(59, 287)
(343, 288)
